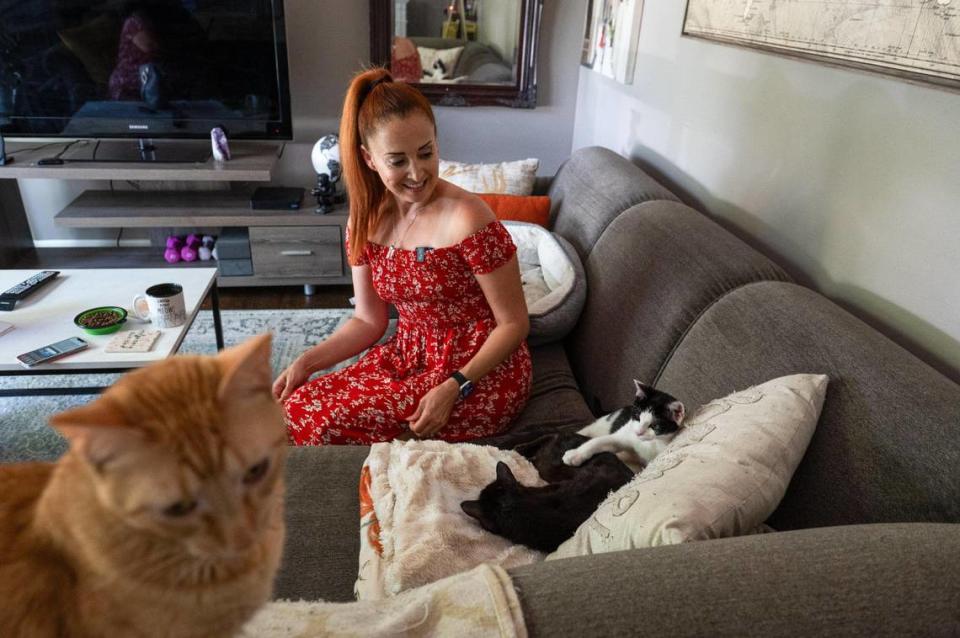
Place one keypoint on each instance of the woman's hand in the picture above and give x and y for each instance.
(290, 379)
(434, 409)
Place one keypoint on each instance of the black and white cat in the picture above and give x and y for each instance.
(581, 471)
(640, 431)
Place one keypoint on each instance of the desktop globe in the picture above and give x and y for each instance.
(325, 157)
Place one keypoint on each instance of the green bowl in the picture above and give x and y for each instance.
(119, 317)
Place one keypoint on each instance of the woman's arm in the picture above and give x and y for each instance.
(362, 330)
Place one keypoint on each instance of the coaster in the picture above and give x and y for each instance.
(133, 341)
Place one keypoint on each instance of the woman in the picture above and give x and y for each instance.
(458, 366)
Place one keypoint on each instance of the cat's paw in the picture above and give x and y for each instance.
(573, 458)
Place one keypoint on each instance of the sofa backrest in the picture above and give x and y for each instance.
(653, 271)
(591, 188)
(676, 300)
(887, 445)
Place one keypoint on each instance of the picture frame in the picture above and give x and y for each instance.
(611, 37)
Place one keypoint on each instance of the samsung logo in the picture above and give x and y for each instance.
(138, 127)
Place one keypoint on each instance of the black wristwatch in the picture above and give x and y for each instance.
(466, 385)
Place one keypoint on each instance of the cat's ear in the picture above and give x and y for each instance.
(475, 510)
(677, 412)
(641, 389)
(97, 431)
(246, 368)
(472, 509)
(504, 475)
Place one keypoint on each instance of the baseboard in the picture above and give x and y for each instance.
(91, 243)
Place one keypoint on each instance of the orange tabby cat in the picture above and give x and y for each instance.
(165, 518)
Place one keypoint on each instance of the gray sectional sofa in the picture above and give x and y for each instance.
(868, 539)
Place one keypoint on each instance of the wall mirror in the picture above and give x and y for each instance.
(460, 52)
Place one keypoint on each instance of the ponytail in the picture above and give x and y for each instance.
(372, 98)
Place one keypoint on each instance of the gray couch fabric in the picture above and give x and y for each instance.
(655, 268)
(864, 580)
(885, 448)
(591, 189)
(323, 523)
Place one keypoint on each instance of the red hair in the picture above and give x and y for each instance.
(372, 99)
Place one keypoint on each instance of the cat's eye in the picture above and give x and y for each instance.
(257, 472)
(181, 508)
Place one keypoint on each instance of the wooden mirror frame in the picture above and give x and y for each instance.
(521, 94)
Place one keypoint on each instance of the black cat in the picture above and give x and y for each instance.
(544, 517)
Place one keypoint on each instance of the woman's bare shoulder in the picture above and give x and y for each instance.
(467, 213)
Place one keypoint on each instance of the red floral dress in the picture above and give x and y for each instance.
(443, 320)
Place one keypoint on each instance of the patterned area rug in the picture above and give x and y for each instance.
(25, 435)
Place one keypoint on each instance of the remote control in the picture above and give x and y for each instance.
(10, 297)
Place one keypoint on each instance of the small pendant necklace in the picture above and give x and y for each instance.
(393, 245)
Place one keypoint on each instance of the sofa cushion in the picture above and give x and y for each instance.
(555, 402)
(861, 580)
(505, 178)
(722, 476)
(533, 209)
(591, 189)
(651, 274)
(886, 448)
(323, 528)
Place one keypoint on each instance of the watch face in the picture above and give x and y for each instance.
(466, 389)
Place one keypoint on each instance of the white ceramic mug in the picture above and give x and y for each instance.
(162, 304)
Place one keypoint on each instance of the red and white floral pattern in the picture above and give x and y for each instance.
(443, 320)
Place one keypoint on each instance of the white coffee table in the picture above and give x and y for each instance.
(47, 315)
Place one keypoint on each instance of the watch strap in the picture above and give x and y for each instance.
(466, 385)
(459, 378)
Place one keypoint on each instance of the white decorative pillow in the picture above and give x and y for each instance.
(723, 474)
(448, 57)
(505, 178)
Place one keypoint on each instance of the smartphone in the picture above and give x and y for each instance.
(52, 352)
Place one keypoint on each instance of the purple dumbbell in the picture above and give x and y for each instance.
(172, 253)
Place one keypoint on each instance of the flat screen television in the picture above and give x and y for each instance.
(147, 69)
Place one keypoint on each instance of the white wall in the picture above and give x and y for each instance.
(499, 26)
(328, 42)
(850, 179)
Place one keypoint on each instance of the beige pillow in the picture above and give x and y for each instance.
(507, 178)
(723, 474)
(448, 57)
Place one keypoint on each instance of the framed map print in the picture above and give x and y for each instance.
(917, 40)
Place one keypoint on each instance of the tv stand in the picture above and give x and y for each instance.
(286, 248)
(251, 162)
(141, 150)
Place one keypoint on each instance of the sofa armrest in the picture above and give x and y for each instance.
(885, 579)
(323, 523)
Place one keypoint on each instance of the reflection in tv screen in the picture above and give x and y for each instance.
(150, 68)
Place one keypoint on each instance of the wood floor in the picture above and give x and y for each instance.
(232, 298)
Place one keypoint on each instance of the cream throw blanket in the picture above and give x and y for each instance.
(477, 604)
(417, 488)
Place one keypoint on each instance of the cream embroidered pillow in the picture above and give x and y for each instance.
(447, 57)
(723, 474)
(507, 178)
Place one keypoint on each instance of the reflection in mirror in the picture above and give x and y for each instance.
(459, 41)
(460, 52)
